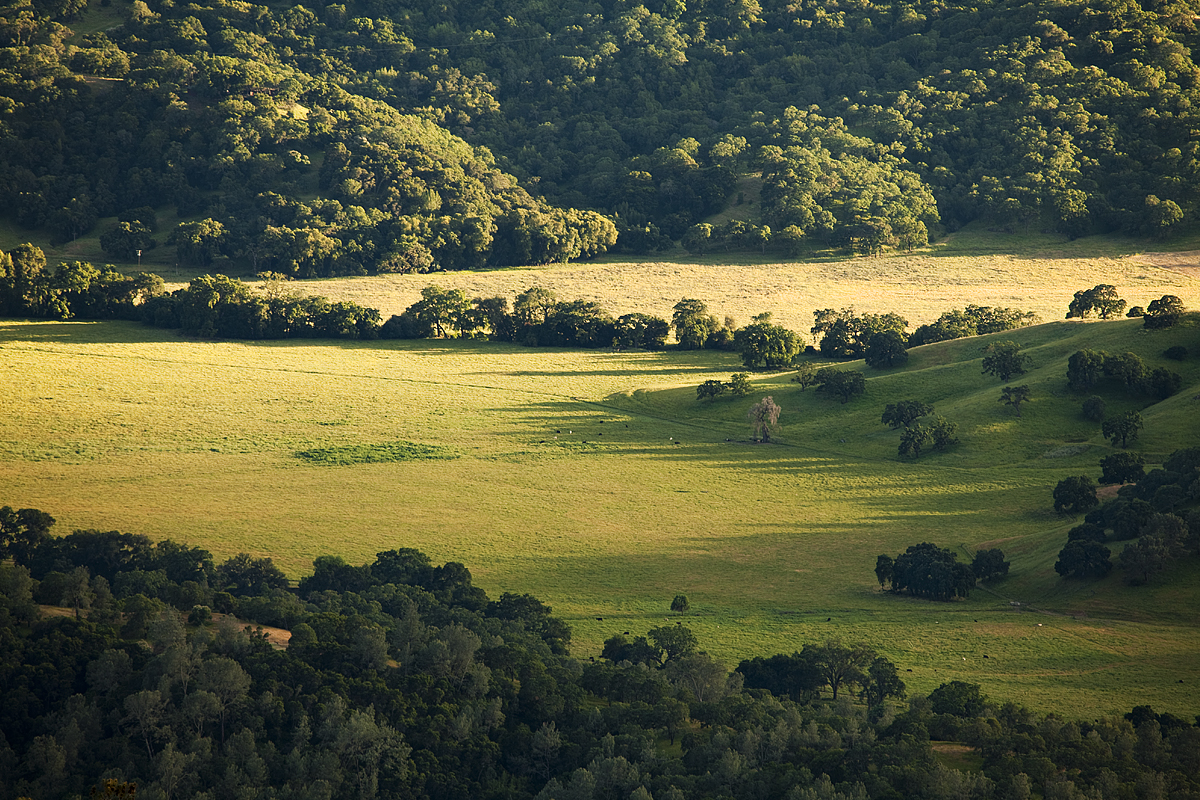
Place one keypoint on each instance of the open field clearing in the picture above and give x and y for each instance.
(963, 269)
(597, 482)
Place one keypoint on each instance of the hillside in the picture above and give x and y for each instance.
(605, 500)
(365, 138)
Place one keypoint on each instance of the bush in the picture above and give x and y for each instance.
(1176, 353)
(1094, 408)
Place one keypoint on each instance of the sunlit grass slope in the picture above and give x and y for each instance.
(599, 483)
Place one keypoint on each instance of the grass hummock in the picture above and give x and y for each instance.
(346, 455)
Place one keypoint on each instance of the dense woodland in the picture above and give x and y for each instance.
(403, 679)
(375, 136)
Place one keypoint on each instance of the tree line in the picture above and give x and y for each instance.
(402, 678)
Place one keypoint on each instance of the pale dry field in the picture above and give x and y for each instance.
(919, 287)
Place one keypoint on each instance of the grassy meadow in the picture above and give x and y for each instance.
(598, 482)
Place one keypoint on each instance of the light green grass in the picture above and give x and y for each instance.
(598, 482)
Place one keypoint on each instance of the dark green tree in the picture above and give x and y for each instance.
(989, 564)
(1102, 299)
(1084, 369)
(1122, 468)
(673, 641)
(958, 698)
(839, 664)
(1094, 408)
(806, 374)
(904, 413)
(926, 570)
(1005, 359)
(883, 569)
(882, 680)
(1163, 312)
(711, 389)
(1014, 396)
(1122, 428)
(843, 384)
(762, 344)
(693, 324)
(1075, 495)
(887, 349)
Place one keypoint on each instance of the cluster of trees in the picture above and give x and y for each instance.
(209, 306)
(402, 678)
(831, 665)
(738, 385)
(916, 436)
(926, 570)
(74, 289)
(971, 321)
(1092, 369)
(537, 318)
(882, 340)
(1102, 299)
(1155, 513)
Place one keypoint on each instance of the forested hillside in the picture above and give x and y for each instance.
(402, 679)
(347, 138)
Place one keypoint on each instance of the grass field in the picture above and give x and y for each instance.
(1032, 274)
(597, 482)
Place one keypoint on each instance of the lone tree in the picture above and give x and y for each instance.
(905, 413)
(739, 384)
(1122, 468)
(1163, 312)
(989, 564)
(1102, 299)
(764, 414)
(844, 384)
(806, 374)
(1075, 494)
(710, 390)
(680, 604)
(1014, 396)
(1004, 359)
(1123, 428)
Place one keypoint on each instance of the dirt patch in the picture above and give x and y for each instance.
(276, 637)
(951, 748)
(1107, 492)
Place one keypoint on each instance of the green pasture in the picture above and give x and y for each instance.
(597, 481)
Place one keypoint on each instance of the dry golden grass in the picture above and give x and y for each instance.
(919, 286)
